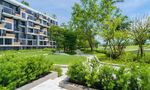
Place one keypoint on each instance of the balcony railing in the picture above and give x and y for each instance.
(10, 11)
(1, 25)
(10, 35)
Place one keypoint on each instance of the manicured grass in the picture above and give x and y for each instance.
(65, 59)
(135, 47)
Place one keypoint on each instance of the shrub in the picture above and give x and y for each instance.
(128, 57)
(58, 70)
(101, 56)
(19, 70)
(104, 77)
(77, 73)
(146, 58)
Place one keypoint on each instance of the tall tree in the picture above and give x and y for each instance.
(114, 27)
(140, 29)
(116, 36)
(25, 3)
(56, 33)
(84, 18)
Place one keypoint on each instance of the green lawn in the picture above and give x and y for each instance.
(47, 54)
(135, 47)
(64, 59)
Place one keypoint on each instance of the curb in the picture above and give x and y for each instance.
(52, 75)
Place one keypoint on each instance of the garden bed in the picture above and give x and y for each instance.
(72, 86)
(52, 75)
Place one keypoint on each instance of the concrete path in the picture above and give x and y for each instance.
(52, 84)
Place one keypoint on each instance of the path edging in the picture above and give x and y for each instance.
(52, 75)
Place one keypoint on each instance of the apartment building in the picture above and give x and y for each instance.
(23, 27)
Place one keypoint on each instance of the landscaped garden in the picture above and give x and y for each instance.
(21, 67)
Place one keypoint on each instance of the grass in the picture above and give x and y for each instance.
(47, 54)
(64, 59)
(135, 47)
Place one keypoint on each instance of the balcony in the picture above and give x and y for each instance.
(23, 10)
(41, 33)
(37, 27)
(1, 26)
(10, 35)
(11, 11)
(9, 20)
(46, 39)
(8, 10)
(16, 43)
(18, 15)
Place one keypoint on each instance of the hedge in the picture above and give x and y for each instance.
(16, 71)
(104, 77)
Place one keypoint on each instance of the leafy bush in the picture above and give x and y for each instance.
(101, 56)
(18, 70)
(128, 57)
(104, 77)
(77, 73)
(58, 70)
(146, 58)
(101, 51)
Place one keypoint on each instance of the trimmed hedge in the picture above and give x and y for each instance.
(104, 77)
(16, 71)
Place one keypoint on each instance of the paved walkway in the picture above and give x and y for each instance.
(52, 84)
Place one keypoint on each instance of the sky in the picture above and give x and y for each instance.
(63, 8)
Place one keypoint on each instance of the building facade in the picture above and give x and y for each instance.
(23, 27)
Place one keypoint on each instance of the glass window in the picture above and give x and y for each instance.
(8, 41)
(0, 32)
(8, 25)
(23, 15)
(31, 24)
(1, 41)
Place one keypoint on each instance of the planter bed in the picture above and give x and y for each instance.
(72, 86)
(52, 75)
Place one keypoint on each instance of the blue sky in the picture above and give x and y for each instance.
(63, 8)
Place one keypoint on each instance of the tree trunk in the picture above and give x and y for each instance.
(141, 50)
(106, 45)
(90, 44)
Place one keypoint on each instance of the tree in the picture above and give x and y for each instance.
(25, 3)
(84, 18)
(70, 41)
(114, 27)
(56, 33)
(117, 37)
(65, 38)
(140, 29)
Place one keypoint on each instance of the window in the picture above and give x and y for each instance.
(23, 15)
(41, 42)
(30, 42)
(30, 30)
(31, 17)
(8, 41)
(1, 32)
(8, 25)
(31, 24)
(1, 41)
(44, 22)
(23, 23)
(36, 31)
